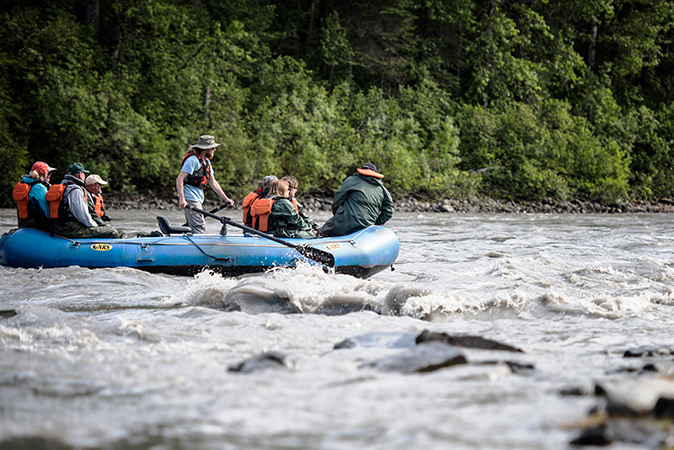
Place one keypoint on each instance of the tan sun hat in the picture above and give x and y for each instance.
(91, 179)
(206, 141)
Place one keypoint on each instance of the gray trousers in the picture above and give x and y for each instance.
(194, 219)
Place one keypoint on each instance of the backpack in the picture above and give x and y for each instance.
(261, 210)
(54, 197)
(20, 194)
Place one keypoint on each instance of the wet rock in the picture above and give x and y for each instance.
(346, 343)
(648, 350)
(664, 408)
(464, 341)
(638, 413)
(646, 368)
(263, 361)
(595, 436)
(636, 398)
(378, 340)
(637, 433)
(426, 357)
(574, 392)
(514, 366)
(7, 313)
(600, 391)
(33, 443)
(253, 298)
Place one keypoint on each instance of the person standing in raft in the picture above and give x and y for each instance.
(284, 220)
(68, 204)
(30, 195)
(360, 202)
(94, 184)
(195, 173)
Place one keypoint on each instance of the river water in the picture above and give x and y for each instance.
(118, 358)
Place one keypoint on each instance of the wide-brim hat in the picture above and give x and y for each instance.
(369, 170)
(206, 141)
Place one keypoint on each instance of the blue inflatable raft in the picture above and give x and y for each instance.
(361, 254)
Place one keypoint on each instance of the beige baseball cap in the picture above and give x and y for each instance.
(91, 179)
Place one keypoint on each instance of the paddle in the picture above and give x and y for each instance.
(212, 211)
(325, 258)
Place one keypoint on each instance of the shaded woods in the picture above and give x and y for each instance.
(521, 100)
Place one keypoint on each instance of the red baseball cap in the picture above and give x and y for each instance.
(41, 168)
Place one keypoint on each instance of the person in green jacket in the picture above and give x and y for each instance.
(293, 184)
(360, 202)
(284, 219)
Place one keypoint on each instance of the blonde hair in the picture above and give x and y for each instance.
(279, 188)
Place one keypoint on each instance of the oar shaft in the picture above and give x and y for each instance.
(214, 210)
(229, 221)
(321, 256)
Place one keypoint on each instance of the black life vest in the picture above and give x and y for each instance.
(200, 177)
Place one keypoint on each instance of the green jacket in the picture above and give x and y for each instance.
(305, 216)
(361, 201)
(285, 222)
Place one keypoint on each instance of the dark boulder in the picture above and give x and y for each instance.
(263, 361)
(7, 313)
(427, 357)
(465, 341)
(648, 350)
(346, 343)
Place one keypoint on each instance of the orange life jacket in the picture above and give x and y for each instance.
(200, 177)
(260, 210)
(247, 203)
(20, 194)
(55, 198)
(99, 206)
(294, 202)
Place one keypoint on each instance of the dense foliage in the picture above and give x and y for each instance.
(521, 99)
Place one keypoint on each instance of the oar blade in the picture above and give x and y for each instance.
(325, 258)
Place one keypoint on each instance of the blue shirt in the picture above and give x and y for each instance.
(191, 166)
(38, 194)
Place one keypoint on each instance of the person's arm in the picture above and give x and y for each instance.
(386, 208)
(341, 195)
(79, 208)
(303, 215)
(287, 217)
(218, 190)
(180, 188)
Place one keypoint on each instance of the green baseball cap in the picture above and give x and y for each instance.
(76, 168)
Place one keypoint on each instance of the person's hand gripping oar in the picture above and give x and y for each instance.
(213, 211)
(325, 258)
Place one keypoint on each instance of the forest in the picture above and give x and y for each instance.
(506, 99)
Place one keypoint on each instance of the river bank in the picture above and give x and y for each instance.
(449, 205)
